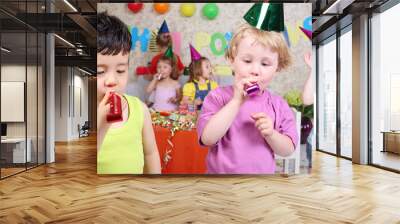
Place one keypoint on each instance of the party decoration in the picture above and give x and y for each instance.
(143, 38)
(176, 38)
(213, 47)
(161, 8)
(308, 33)
(266, 16)
(210, 10)
(307, 23)
(188, 9)
(223, 70)
(153, 42)
(175, 121)
(169, 53)
(163, 28)
(135, 7)
(201, 39)
(195, 55)
(142, 70)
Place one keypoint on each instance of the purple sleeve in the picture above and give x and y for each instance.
(211, 105)
(287, 122)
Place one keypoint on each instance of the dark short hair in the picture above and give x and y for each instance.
(113, 35)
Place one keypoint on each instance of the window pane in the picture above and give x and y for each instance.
(346, 94)
(327, 97)
(385, 89)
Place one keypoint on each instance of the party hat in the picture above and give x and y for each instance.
(169, 53)
(266, 16)
(308, 33)
(195, 55)
(163, 28)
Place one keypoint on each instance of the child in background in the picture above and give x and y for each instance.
(163, 42)
(164, 86)
(244, 132)
(199, 83)
(128, 146)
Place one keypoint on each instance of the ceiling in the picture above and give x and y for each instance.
(331, 15)
(22, 20)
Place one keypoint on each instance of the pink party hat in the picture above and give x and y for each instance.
(194, 54)
(308, 33)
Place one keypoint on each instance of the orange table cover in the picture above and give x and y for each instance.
(187, 156)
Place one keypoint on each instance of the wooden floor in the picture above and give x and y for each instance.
(69, 191)
(387, 159)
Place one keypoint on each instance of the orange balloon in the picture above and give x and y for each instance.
(161, 7)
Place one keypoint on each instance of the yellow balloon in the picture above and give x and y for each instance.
(188, 9)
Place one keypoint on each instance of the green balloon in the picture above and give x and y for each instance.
(210, 10)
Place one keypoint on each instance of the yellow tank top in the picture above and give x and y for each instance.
(122, 148)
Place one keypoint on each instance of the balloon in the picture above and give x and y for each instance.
(188, 9)
(210, 10)
(135, 7)
(161, 8)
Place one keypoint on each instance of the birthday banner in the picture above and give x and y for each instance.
(208, 27)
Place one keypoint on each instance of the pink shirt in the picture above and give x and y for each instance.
(162, 94)
(242, 150)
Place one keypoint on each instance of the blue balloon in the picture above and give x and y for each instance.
(228, 36)
(307, 23)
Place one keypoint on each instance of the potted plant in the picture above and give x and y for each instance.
(293, 98)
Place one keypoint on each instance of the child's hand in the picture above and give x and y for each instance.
(173, 100)
(307, 59)
(264, 124)
(239, 92)
(158, 76)
(102, 109)
(198, 101)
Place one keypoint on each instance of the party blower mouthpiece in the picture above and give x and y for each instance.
(252, 89)
(115, 113)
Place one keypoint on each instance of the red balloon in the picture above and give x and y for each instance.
(135, 7)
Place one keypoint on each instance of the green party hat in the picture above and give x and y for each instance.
(266, 16)
(169, 53)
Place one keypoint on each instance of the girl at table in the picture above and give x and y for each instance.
(165, 86)
(244, 131)
(199, 83)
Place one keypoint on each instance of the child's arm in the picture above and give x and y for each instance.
(281, 144)
(178, 94)
(308, 89)
(185, 100)
(152, 163)
(220, 122)
(150, 88)
(102, 124)
(187, 91)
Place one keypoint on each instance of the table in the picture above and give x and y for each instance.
(18, 151)
(187, 156)
(391, 141)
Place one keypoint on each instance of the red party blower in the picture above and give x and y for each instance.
(115, 113)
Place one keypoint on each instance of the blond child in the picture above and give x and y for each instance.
(244, 132)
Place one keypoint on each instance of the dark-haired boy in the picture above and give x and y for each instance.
(129, 146)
